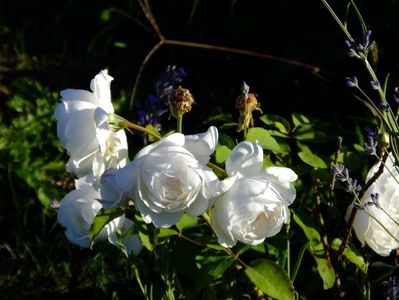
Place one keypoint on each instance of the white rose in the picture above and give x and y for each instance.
(170, 177)
(367, 229)
(84, 131)
(77, 212)
(255, 205)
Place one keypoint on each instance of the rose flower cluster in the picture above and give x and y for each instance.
(165, 180)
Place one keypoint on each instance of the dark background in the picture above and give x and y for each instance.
(64, 43)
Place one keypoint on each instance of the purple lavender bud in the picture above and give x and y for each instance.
(383, 106)
(371, 146)
(391, 288)
(366, 40)
(54, 204)
(351, 81)
(375, 85)
(348, 44)
(374, 199)
(351, 50)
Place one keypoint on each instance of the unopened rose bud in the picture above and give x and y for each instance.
(180, 101)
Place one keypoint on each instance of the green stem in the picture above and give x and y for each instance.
(299, 260)
(217, 169)
(142, 129)
(288, 251)
(179, 123)
(331, 11)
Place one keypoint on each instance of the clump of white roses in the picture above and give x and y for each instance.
(376, 222)
(165, 180)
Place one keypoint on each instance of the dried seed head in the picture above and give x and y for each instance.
(180, 101)
(246, 104)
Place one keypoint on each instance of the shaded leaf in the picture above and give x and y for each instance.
(211, 266)
(223, 117)
(316, 249)
(276, 121)
(226, 140)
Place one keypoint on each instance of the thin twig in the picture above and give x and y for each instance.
(134, 20)
(143, 64)
(146, 8)
(144, 4)
(312, 68)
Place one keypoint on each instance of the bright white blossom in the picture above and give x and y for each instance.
(368, 230)
(84, 130)
(169, 177)
(77, 212)
(255, 205)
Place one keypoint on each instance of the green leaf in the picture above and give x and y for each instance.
(103, 217)
(152, 129)
(308, 132)
(146, 233)
(186, 222)
(316, 249)
(222, 153)
(271, 279)
(165, 232)
(120, 44)
(312, 160)
(262, 136)
(276, 121)
(299, 119)
(359, 148)
(351, 254)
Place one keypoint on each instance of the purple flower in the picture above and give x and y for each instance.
(351, 81)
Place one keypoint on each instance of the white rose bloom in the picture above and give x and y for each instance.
(366, 228)
(170, 177)
(255, 205)
(84, 131)
(77, 212)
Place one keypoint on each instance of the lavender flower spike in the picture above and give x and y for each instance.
(352, 81)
